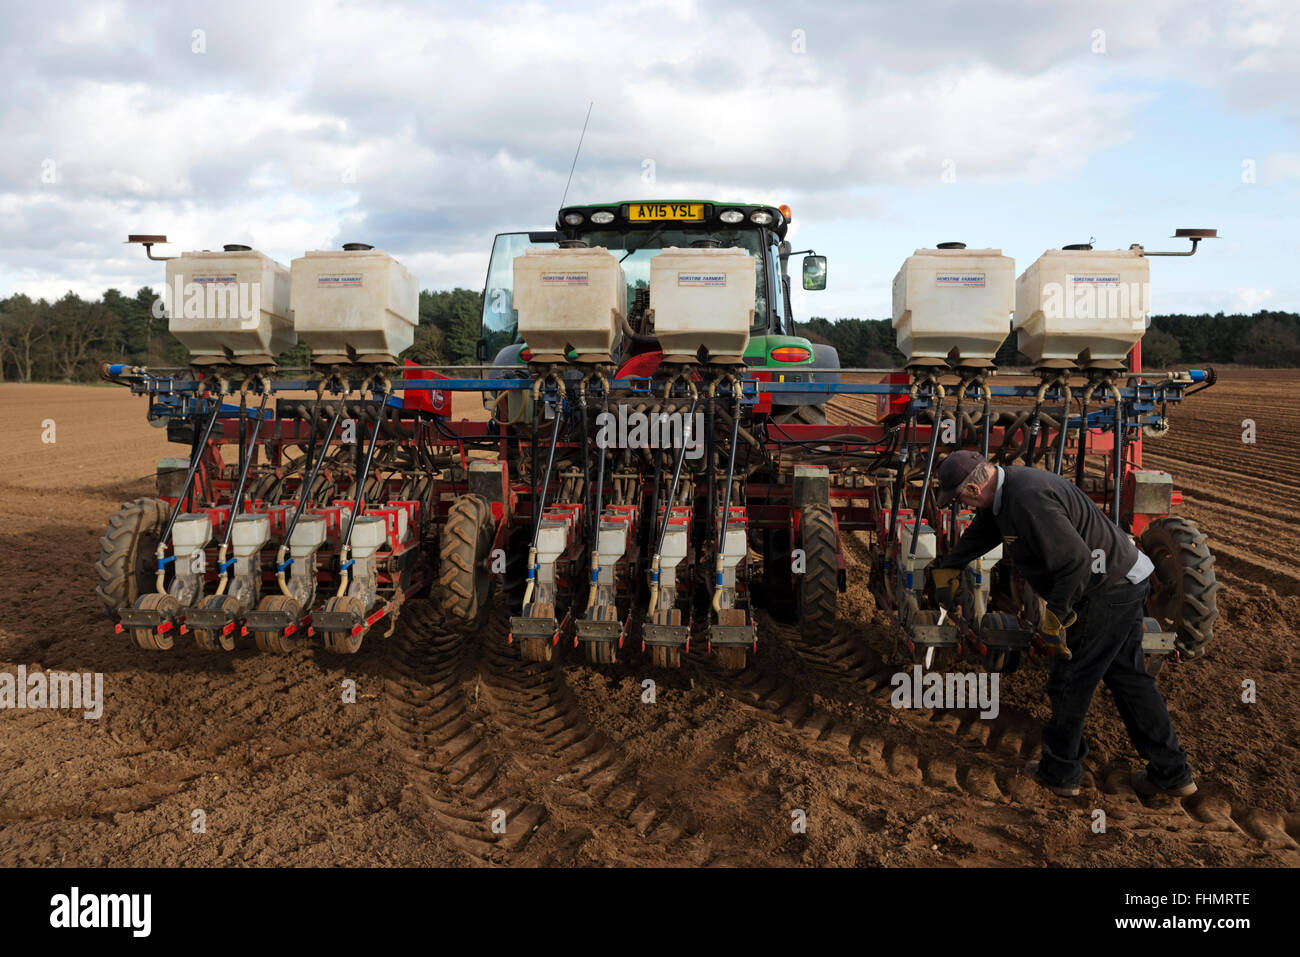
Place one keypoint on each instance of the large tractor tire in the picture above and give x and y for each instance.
(818, 586)
(1184, 593)
(126, 565)
(465, 572)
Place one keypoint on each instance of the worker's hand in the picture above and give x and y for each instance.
(945, 584)
(1053, 631)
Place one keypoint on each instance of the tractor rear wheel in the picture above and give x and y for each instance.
(1184, 593)
(126, 565)
(465, 571)
(819, 584)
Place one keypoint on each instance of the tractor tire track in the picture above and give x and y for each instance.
(449, 760)
(849, 663)
(591, 780)
(481, 731)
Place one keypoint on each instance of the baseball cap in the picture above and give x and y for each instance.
(953, 471)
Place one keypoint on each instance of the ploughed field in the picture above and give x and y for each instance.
(447, 731)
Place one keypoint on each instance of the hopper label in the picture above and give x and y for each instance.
(564, 279)
(338, 280)
(214, 280)
(701, 279)
(959, 279)
(1095, 279)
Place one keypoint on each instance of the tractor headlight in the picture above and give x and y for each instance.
(573, 219)
(731, 216)
(600, 218)
(761, 216)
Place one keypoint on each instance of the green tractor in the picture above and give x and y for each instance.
(638, 231)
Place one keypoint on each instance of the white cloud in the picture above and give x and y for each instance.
(427, 129)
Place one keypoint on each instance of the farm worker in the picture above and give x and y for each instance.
(1094, 582)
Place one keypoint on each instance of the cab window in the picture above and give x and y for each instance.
(500, 318)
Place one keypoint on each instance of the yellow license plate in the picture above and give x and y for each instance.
(651, 212)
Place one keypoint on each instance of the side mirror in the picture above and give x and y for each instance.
(814, 272)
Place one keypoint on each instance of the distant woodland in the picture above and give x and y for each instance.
(66, 340)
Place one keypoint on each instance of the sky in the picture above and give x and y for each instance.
(426, 128)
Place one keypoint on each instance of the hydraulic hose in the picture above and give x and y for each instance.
(1083, 435)
(987, 426)
(1064, 432)
(197, 457)
(281, 563)
(958, 423)
(539, 497)
(600, 484)
(586, 445)
(726, 494)
(909, 425)
(246, 454)
(1035, 419)
(345, 553)
(657, 559)
(1119, 453)
(937, 392)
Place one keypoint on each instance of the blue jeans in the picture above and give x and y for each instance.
(1106, 643)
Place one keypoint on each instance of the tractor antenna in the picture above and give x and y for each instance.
(576, 152)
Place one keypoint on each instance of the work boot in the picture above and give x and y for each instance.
(1063, 790)
(1143, 784)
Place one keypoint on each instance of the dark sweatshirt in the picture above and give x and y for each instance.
(1050, 529)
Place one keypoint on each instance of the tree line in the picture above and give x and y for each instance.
(66, 340)
(1266, 339)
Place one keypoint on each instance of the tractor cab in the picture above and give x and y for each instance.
(635, 233)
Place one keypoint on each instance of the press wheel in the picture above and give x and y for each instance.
(212, 639)
(666, 656)
(732, 657)
(276, 642)
(148, 638)
(346, 641)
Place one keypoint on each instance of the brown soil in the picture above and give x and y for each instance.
(447, 730)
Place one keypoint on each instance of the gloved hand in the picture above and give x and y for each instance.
(1053, 631)
(945, 584)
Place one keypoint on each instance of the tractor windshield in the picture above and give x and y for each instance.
(501, 320)
(646, 244)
